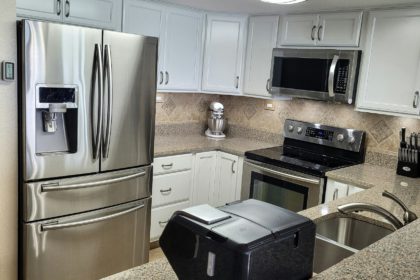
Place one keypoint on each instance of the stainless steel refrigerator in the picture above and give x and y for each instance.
(87, 111)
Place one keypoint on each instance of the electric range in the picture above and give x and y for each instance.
(293, 175)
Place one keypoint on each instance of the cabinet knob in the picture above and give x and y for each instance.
(319, 32)
(58, 7)
(167, 77)
(67, 8)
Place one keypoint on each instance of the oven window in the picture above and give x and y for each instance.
(301, 73)
(278, 192)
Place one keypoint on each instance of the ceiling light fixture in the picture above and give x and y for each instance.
(283, 2)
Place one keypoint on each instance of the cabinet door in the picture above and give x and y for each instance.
(204, 176)
(41, 9)
(147, 19)
(299, 30)
(97, 13)
(262, 38)
(183, 47)
(339, 29)
(223, 54)
(390, 73)
(226, 179)
(335, 190)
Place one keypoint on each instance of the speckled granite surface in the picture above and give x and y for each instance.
(172, 145)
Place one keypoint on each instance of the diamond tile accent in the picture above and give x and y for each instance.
(249, 111)
(380, 131)
(168, 106)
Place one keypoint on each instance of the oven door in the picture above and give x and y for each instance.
(282, 187)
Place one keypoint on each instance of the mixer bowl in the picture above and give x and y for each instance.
(216, 126)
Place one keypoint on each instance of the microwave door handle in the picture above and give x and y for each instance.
(332, 75)
(107, 128)
(47, 227)
(97, 81)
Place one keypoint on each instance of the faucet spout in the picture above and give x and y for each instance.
(354, 207)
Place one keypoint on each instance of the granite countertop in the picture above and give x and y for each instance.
(395, 256)
(172, 145)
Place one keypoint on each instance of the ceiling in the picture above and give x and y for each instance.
(258, 7)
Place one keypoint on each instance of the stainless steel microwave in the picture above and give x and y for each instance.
(329, 75)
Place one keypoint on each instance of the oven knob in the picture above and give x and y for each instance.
(299, 130)
(351, 140)
(340, 137)
(291, 128)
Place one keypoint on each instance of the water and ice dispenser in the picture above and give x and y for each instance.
(56, 119)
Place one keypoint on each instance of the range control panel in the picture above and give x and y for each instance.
(342, 138)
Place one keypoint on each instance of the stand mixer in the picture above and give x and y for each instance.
(216, 121)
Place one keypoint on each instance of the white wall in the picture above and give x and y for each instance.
(8, 147)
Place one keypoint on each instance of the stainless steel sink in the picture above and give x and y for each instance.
(340, 237)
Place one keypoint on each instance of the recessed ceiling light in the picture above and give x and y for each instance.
(283, 2)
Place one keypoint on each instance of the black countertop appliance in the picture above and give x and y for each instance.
(242, 240)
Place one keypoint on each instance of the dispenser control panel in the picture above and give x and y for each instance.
(52, 95)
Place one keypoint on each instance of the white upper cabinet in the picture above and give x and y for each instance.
(339, 29)
(181, 41)
(390, 70)
(329, 29)
(42, 9)
(262, 38)
(223, 54)
(299, 30)
(182, 51)
(95, 13)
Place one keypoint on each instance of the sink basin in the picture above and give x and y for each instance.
(339, 238)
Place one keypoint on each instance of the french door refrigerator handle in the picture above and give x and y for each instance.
(57, 187)
(285, 175)
(332, 75)
(47, 227)
(97, 74)
(106, 139)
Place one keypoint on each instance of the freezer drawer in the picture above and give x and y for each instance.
(54, 198)
(89, 245)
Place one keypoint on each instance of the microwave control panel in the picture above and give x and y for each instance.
(342, 74)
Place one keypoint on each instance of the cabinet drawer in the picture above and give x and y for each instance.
(171, 188)
(172, 163)
(161, 216)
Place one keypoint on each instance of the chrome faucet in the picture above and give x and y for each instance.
(355, 207)
(408, 217)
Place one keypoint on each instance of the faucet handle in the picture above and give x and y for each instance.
(409, 216)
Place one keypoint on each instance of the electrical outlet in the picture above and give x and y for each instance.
(269, 106)
(159, 99)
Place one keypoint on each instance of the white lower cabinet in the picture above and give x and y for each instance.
(336, 190)
(182, 181)
(161, 216)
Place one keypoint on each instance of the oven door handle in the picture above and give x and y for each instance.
(285, 175)
(331, 76)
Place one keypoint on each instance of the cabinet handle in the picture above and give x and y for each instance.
(167, 77)
(237, 82)
(267, 86)
(162, 224)
(416, 100)
(167, 166)
(167, 191)
(161, 77)
(58, 7)
(319, 32)
(67, 8)
(312, 33)
(233, 167)
(335, 195)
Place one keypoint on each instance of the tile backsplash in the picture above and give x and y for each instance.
(250, 113)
